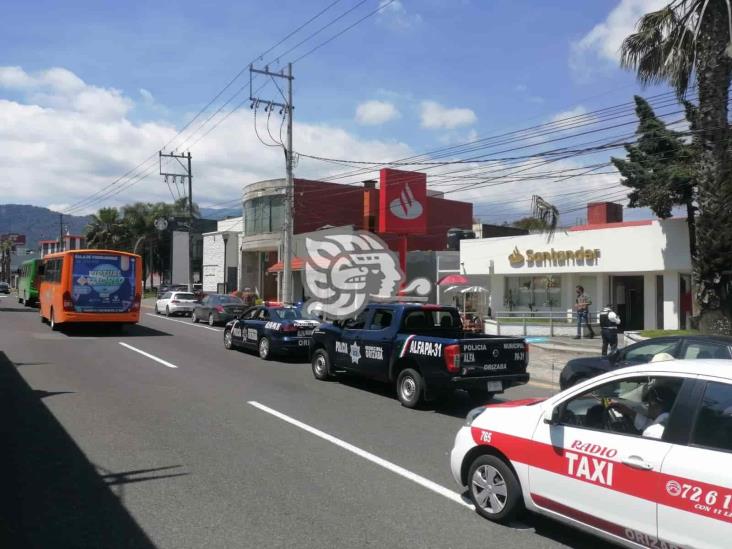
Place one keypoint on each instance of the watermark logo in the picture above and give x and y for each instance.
(673, 488)
(344, 271)
(406, 206)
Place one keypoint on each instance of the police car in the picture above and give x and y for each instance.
(641, 456)
(271, 329)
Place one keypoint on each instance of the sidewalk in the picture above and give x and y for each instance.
(568, 344)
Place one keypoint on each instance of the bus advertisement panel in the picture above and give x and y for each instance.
(103, 283)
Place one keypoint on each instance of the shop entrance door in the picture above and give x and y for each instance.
(628, 301)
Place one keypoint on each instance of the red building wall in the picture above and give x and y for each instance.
(319, 203)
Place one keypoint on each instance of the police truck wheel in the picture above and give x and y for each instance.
(228, 340)
(264, 350)
(321, 365)
(494, 489)
(410, 388)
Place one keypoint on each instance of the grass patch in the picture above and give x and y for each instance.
(661, 333)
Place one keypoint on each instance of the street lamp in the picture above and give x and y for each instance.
(225, 236)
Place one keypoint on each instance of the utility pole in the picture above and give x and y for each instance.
(287, 227)
(60, 233)
(189, 174)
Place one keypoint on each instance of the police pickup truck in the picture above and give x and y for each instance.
(422, 349)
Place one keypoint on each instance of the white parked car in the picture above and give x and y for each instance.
(641, 456)
(176, 303)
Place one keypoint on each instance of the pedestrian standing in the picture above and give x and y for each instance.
(609, 321)
(582, 306)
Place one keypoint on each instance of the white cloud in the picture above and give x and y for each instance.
(579, 110)
(435, 116)
(395, 15)
(59, 88)
(147, 96)
(602, 42)
(60, 150)
(371, 113)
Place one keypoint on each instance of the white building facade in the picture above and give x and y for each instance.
(221, 258)
(641, 268)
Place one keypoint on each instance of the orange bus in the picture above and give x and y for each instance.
(97, 286)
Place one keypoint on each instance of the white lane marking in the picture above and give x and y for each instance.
(393, 467)
(148, 355)
(184, 322)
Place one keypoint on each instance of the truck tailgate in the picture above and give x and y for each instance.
(499, 356)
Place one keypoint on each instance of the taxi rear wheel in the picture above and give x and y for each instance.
(264, 350)
(494, 489)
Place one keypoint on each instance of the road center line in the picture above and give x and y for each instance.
(393, 467)
(184, 322)
(148, 355)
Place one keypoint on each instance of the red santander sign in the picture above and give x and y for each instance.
(402, 202)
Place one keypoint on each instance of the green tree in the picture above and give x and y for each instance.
(660, 169)
(107, 230)
(685, 41)
(532, 224)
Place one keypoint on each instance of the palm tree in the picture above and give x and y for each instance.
(685, 41)
(107, 230)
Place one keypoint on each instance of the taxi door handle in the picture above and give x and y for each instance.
(637, 462)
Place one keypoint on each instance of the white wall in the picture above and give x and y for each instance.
(213, 259)
(657, 246)
(233, 224)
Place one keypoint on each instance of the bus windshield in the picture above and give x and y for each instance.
(103, 283)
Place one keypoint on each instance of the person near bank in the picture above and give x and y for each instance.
(609, 321)
(582, 306)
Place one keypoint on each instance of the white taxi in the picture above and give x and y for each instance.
(641, 456)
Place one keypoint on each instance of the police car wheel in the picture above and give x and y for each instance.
(263, 347)
(494, 489)
(321, 365)
(410, 388)
(228, 341)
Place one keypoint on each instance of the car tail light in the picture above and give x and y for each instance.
(452, 358)
(68, 304)
(289, 328)
(219, 309)
(136, 302)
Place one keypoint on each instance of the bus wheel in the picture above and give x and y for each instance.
(52, 322)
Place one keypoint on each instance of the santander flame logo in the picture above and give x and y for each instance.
(406, 205)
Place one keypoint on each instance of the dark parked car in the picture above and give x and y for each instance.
(270, 330)
(218, 309)
(689, 347)
(4, 288)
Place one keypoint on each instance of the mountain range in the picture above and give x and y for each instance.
(38, 223)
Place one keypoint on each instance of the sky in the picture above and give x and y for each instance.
(90, 90)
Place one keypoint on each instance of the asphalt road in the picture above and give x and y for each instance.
(110, 447)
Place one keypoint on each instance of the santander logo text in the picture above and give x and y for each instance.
(406, 205)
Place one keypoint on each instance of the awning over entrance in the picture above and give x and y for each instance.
(297, 264)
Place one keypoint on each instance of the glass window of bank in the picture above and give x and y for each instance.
(264, 214)
(533, 293)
